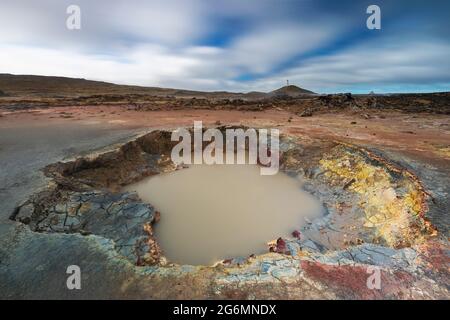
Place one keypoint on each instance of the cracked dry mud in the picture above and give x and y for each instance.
(379, 213)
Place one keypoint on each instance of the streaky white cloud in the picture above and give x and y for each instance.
(390, 63)
(167, 43)
(149, 42)
(105, 25)
(261, 50)
(143, 65)
(367, 67)
(164, 21)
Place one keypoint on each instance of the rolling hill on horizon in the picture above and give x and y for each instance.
(290, 90)
(55, 86)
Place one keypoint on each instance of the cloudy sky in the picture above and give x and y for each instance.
(238, 45)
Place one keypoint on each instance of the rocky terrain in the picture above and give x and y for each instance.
(380, 164)
(28, 92)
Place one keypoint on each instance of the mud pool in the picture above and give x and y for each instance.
(214, 212)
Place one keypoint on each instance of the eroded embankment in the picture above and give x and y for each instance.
(368, 199)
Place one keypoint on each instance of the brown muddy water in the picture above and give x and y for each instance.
(214, 212)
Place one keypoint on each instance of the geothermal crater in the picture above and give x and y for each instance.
(365, 200)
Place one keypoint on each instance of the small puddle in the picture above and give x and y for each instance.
(213, 212)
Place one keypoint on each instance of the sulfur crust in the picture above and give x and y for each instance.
(393, 206)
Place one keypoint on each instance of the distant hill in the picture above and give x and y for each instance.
(255, 95)
(51, 86)
(291, 91)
